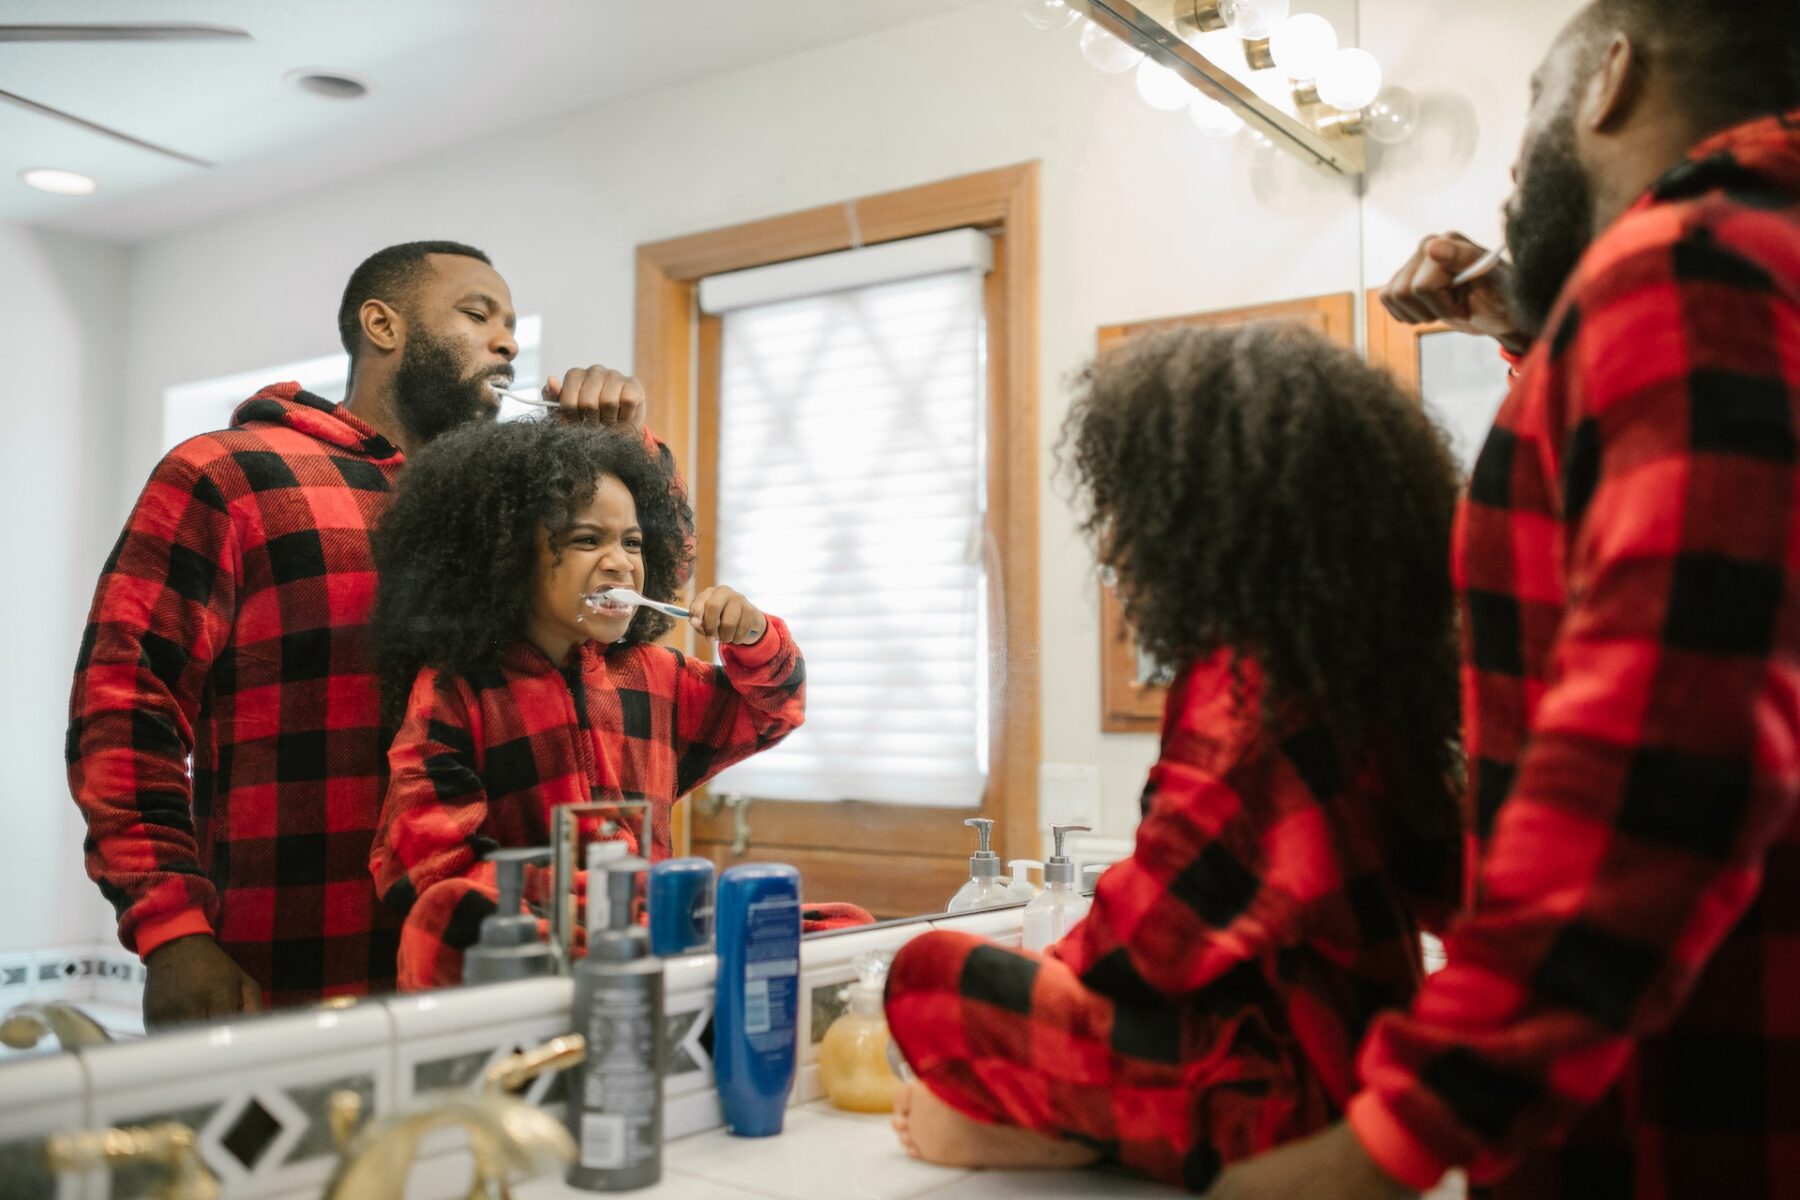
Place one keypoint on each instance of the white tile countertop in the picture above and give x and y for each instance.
(825, 1154)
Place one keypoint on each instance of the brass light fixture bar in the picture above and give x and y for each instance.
(1340, 149)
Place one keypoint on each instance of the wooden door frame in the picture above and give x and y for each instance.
(677, 354)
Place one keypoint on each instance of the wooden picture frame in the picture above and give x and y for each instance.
(1131, 701)
(1394, 344)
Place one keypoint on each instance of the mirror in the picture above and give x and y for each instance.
(954, 642)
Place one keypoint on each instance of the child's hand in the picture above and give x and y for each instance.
(722, 614)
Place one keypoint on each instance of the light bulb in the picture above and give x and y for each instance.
(1274, 87)
(1350, 81)
(1106, 52)
(1212, 118)
(1393, 116)
(1253, 20)
(1222, 48)
(1161, 87)
(1302, 45)
(1048, 15)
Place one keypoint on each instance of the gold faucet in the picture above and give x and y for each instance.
(516, 1070)
(505, 1135)
(168, 1144)
(25, 1026)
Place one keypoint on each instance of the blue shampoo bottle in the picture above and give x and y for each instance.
(754, 1046)
(681, 906)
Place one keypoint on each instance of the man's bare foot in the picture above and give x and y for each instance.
(933, 1131)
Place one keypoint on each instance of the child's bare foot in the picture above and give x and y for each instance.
(933, 1131)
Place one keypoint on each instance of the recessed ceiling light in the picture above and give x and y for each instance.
(63, 183)
(333, 85)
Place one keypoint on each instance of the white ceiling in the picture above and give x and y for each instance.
(443, 71)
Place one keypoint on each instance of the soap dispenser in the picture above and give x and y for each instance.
(510, 947)
(616, 1096)
(1022, 889)
(985, 889)
(853, 1057)
(1056, 912)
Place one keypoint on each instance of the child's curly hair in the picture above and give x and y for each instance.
(456, 553)
(1262, 490)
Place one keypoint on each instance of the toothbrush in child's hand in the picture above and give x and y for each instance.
(624, 595)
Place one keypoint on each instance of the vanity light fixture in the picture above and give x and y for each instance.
(1297, 87)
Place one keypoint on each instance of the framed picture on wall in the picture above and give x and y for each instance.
(1459, 377)
(1133, 688)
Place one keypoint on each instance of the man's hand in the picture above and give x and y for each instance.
(1331, 1165)
(598, 395)
(191, 979)
(1424, 291)
(724, 615)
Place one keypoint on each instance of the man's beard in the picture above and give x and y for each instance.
(431, 395)
(1549, 223)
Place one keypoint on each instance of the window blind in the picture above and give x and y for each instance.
(851, 499)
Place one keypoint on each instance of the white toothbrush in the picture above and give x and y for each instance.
(535, 398)
(624, 595)
(1480, 266)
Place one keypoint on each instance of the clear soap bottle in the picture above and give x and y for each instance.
(1060, 907)
(985, 888)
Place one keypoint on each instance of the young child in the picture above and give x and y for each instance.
(1276, 517)
(513, 694)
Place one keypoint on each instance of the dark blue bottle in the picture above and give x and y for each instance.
(758, 999)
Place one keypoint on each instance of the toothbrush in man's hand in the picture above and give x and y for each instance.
(523, 397)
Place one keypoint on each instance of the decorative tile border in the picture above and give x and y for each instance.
(256, 1091)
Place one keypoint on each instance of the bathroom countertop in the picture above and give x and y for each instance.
(825, 1154)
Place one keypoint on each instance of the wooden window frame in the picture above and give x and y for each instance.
(1128, 704)
(917, 856)
(1395, 345)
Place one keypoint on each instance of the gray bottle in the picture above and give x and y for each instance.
(510, 947)
(615, 1097)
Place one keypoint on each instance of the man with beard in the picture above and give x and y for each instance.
(1620, 1015)
(230, 630)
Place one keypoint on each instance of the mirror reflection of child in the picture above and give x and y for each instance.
(512, 694)
(1277, 517)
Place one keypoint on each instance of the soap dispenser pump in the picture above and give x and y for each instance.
(1022, 889)
(1060, 907)
(985, 888)
(510, 947)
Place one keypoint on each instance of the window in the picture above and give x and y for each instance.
(891, 856)
(195, 408)
(851, 501)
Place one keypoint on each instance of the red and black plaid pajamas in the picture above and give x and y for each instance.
(480, 762)
(230, 624)
(1627, 981)
(1210, 1004)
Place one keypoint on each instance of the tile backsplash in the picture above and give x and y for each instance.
(257, 1091)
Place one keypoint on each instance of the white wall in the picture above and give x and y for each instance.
(1142, 217)
(62, 316)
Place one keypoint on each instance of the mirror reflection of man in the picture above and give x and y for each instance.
(230, 625)
(1620, 1015)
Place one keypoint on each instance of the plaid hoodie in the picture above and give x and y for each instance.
(1210, 1004)
(1629, 974)
(480, 761)
(229, 630)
